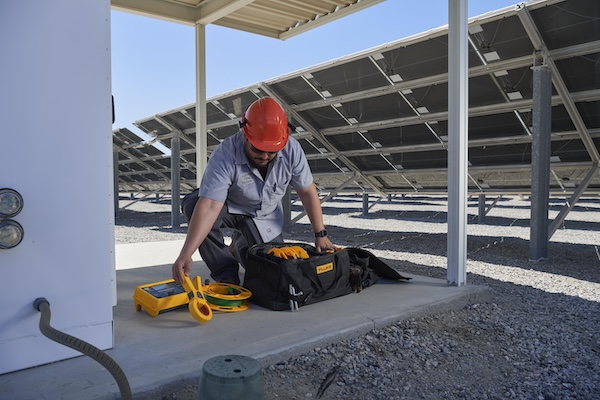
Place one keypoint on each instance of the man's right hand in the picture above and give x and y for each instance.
(181, 267)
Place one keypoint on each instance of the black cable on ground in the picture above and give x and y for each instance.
(42, 305)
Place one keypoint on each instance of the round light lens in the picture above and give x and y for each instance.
(11, 203)
(11, 234)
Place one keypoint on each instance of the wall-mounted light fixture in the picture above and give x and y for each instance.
(11, 232)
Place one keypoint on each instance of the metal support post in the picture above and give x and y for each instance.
(201, 124)
(458, 128)
(365, 204)
(481, 214)
(540, 162)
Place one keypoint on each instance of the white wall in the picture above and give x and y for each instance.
(56, 150)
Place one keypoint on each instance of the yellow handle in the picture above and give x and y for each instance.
(200, 310)
(198, 305)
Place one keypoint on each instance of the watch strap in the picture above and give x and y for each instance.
(321, 233)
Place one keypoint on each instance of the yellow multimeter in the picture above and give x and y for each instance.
(159, 297)
(163, 296)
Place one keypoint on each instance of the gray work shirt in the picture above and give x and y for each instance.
(229, 178)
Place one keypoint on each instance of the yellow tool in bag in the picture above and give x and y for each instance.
(287, 252)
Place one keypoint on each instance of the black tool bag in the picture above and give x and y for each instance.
(282, 284)
(366, 269)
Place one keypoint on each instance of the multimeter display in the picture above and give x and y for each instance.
(165, 290)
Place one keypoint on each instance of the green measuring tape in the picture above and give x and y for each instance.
(227, 303)
(226, 297)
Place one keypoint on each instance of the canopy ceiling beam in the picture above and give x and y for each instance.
(340, 12)
(279, 19)
(158, 9)
(217, 9)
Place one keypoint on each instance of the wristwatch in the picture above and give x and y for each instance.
(322, 233)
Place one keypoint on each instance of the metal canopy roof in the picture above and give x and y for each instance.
(376, 121)
(280, 19)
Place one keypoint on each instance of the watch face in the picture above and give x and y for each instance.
(322, 233)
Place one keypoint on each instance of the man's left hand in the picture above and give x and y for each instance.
(324, 244)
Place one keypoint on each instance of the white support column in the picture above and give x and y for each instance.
(201, 142)
(458, 84)
(175, 180)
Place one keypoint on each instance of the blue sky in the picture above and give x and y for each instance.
(153, 61)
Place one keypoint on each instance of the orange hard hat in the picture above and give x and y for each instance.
(265, 125)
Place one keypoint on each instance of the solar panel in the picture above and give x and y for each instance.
(376, 121)
(144, 168)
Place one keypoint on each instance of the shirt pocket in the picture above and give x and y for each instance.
(245, 190)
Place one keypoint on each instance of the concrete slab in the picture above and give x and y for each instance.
(148, 254)
(170, 350)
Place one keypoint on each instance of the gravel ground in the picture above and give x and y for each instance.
(536, 338)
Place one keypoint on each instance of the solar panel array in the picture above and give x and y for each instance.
(144, 168)
(377, 121)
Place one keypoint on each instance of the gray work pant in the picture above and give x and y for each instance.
(222, 262)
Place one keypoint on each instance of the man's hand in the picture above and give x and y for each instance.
(324, 244)
(182, 266)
